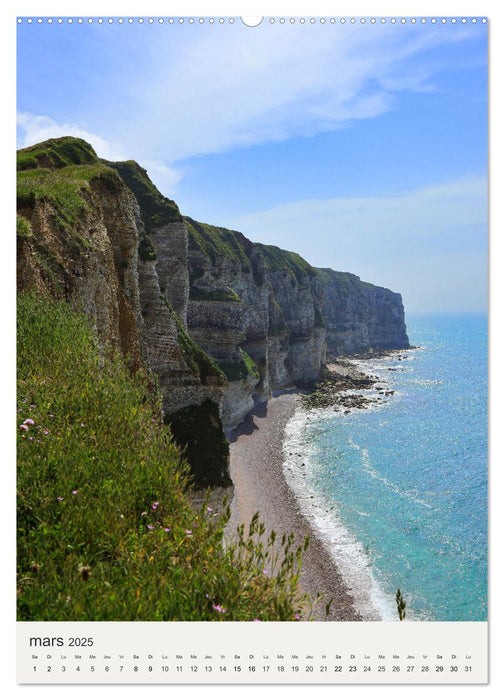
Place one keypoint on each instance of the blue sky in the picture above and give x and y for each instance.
(362, 147)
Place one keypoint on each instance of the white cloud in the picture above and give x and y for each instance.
(37, 128)
(438, 210)
(164, 177)
(216, 91)
(199, 91)
(429, 243)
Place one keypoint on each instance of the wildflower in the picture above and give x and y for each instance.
(219, 608)
(297, 617)
(265, 572)
(150, 527)
(155, 505)
(209, 510)
(75, 492)
(29, 421)
(82, 425)
(60, 498)
(24, 427)
(167, 529)
(46, 432)
(144, 513)
(256, 619)
(188, 532)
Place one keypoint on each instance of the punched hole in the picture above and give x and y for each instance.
(251, 21)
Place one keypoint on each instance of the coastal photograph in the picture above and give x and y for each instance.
(252, 319)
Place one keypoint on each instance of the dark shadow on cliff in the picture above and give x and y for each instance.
(248, 426)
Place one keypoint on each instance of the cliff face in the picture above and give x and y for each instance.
(82, 237)
(359, 316)
(218, 320)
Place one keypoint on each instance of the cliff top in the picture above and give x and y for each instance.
(157, 209)
(56, 153)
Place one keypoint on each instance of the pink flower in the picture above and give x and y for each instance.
(155, 505)
(60, 498)
(167, 529)
(46, 432)
(29, 421)
(297, 617)
(75, 492)
(150, 527)
(265, 572)
(219, 608)
(24, 427)
(188, 532)
(209, 510)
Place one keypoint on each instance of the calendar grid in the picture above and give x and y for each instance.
(322, 653)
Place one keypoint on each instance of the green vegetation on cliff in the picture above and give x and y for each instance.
(66, 195)
(156, 209)
(65, 189)
(23, 227)
(241, 369)
(105, 527)
(216, 242)
(341, 282)
(228, 294)
(286, 261)
(56, 153)
(195, 357)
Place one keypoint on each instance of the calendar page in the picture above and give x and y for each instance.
(252, 348)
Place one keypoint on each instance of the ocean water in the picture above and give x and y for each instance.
(398, 492)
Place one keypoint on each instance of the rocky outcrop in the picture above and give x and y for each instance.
(79, 241)
(82, 236)
(359, 316)
(219, 321)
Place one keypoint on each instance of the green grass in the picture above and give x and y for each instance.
(23, 227)
(341, 283)
(228, 294)
(157, 210)
(65, 189)
(278, 259)
(235, 371)
(216, 242)
(105, 528)
(56, 153)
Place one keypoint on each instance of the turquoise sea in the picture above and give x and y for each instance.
(399, 492)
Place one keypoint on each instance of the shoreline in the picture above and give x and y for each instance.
(256, 469)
